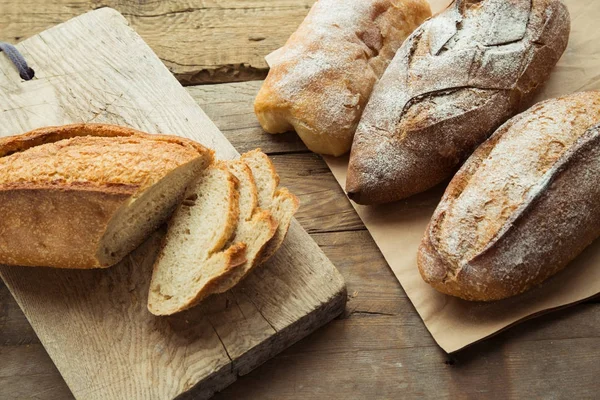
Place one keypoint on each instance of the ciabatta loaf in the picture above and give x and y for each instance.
(197, 251)
(84, 196)
(522, 207)
(320, 81)
(452, 83)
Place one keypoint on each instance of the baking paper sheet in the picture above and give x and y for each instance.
(397, 228)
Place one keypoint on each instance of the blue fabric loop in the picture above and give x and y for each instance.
(25, 72)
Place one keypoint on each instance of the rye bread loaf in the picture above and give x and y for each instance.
(321, 79)
(84, 196)
(523, 205)
(452, 83)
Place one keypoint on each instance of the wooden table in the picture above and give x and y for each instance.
(379, 348)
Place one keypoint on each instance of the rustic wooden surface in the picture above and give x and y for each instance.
(379, 348)
(94, 324)
(199, 41)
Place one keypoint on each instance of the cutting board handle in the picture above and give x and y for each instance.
(25, 72)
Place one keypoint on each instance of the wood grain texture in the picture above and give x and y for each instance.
(94, 324)
(380, 347)
(198, 40)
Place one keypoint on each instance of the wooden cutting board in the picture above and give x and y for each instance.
(94, 324)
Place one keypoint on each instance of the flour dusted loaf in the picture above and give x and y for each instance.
(523, 205)
(84, 196)
(233, 219)
(320, 80)
(452, 83)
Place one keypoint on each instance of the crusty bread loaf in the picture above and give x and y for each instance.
(197, 251)
(279, 201)
(523, 205)
(321, 79)
(451, 84)
(84, 196)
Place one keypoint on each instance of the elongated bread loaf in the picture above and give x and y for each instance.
(320, 80)
(522, 207)
(84, 196)
(452, 83)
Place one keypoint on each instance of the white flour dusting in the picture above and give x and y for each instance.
(511, 174)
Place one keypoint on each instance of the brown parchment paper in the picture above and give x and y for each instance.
(397, 228)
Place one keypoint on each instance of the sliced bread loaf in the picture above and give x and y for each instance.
(196, 255)
(279, 201)
(234, 218)
(85, 195)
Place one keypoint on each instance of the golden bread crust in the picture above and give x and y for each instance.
(61, 186)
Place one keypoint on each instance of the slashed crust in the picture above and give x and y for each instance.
(558, 217)
(455, 80)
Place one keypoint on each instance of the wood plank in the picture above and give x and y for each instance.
(423, 372)
(199, 41)
(97, 69)
(27, 372)
(380, 348)
(231, 108)
(323, 205)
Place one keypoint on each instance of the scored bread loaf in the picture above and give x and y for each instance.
(522, 206)
(451, 84)
(322, 77)
(85, 195)
(209, 249)
(197, 252)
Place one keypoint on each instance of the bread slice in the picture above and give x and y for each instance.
(85, 195)
(233, 219)
(196, 254)
(255, 226)
(279, 201)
